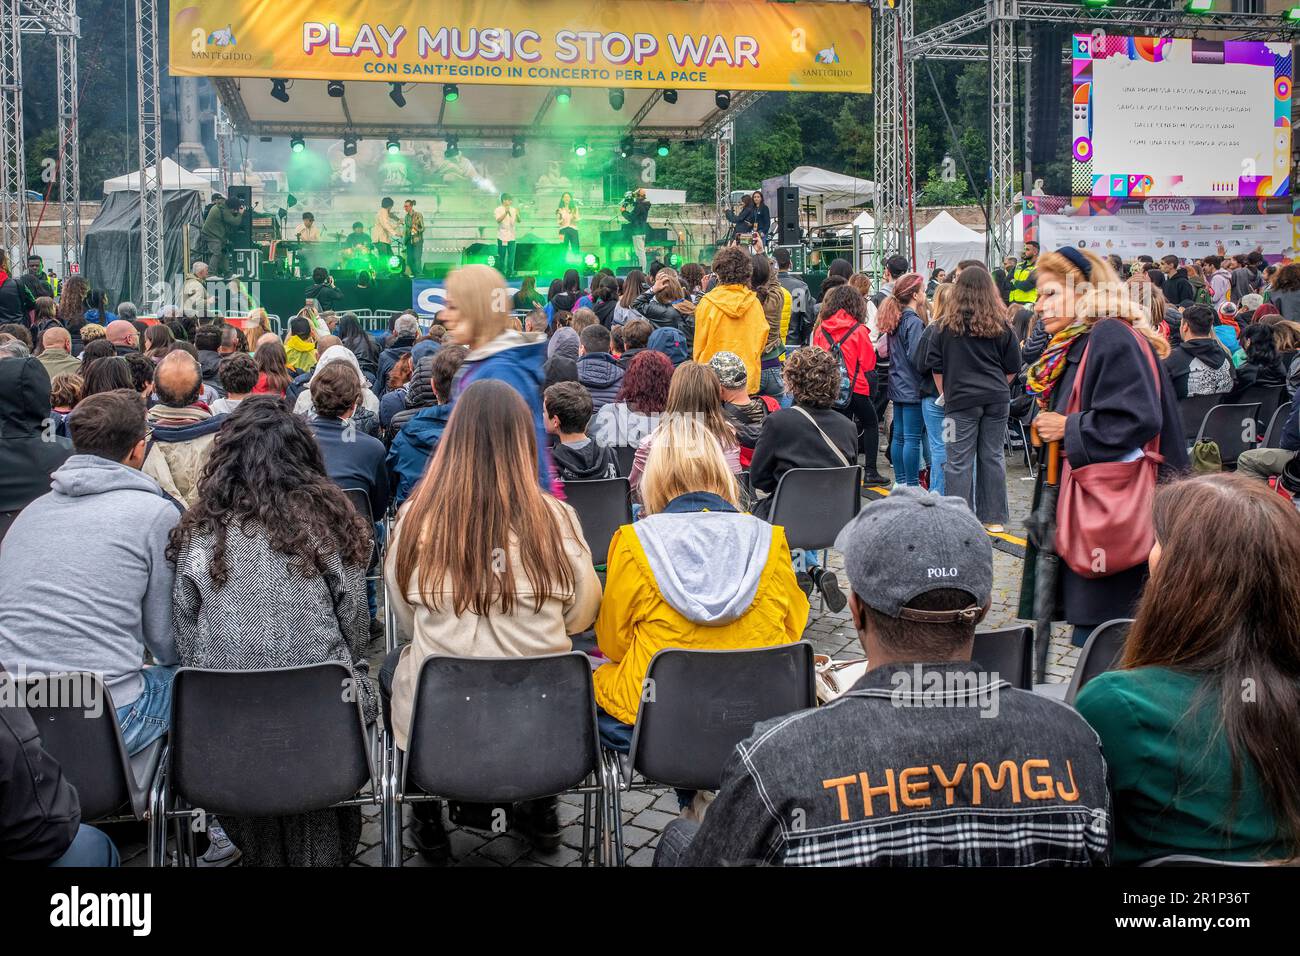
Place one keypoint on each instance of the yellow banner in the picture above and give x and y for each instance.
(679, 44)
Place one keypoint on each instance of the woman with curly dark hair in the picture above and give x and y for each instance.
(641, 400)
(72, 308)
(808, 434)
(271, 572)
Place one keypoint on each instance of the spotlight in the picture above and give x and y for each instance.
(675, 260)
(396, 263)
(670, 96)
(662, 147)
(616, 99)
(334, 88)
(591, 260)
(517, 147)
(580, 147)
(625, 146)
(722, 99)
(1199, 6)
(453, 147)
(349, 144)
(297, 145)
(280, 90)
(1096, 4)
(563, 94)
(396, 95)
(394, 145)
(450, 92)
(492, 261)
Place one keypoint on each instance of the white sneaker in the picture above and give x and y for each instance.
(220, 851)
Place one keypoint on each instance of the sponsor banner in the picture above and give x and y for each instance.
(694, 44)
(1187, 236)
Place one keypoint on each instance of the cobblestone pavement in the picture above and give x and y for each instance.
(645, 814)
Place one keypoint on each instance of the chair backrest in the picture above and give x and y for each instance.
(269, 742)
(74, 715)
(503, 729)
(1009, 652)
(1232, 428)
(1194, 409)
(603, 507)
(697, 705)
(359, 498)
(625, 455)
(1273, 436)
(813, 504)
(1100, 653)
(1268, 397)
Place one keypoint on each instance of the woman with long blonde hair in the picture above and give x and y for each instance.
(483, 563)
(694, 392)
(718, 580)
(476, 314)
(1126, 399)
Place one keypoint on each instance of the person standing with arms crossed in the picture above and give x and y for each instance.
(507, 216)
(413, 232)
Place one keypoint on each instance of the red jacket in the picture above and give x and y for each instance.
(859, 352)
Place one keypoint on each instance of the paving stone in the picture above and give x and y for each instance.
(561, 856)
(655, 819)
(642, 857)
(635, 836)
(505, 849)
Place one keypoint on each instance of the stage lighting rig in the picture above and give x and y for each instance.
(616, 99)
(396, 95)
(296, 144)
(280, 90)
(334, 88)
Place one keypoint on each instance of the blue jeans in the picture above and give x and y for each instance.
(933, 416)
(90, 847)
(145, 719)
(906, 448)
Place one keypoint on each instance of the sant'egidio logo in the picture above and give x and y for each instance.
(224, 37)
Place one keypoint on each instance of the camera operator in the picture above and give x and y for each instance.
(636, 210)
(218, 231)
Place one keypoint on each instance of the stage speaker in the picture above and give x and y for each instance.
(243, 238)
(1045, 92)
(787, 212)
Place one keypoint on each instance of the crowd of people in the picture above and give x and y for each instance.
(229, 487)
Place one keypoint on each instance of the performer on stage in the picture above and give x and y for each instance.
(218, 228)
(507, 217)
(637, 215)
(413, 235)
(358, 238)
(308, 231)
(387, 227)
(566, 217)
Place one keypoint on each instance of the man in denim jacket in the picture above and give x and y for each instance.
(928, 760)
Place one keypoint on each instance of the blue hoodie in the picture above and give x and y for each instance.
(412, 449)
(671, 342)
(516, 358)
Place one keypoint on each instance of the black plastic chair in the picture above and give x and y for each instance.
(1268, 397)
(1008, 652)
(603, 506)
(696, 705)
(75, 716)
(1233, 428)
(264, 743)
(1100, 653)
(503, 731)
(625, 455)
(1273, 434)
(1194, 409)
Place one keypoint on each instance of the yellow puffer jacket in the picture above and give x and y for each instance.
(299, 353)
(731, 319)
(711, 580)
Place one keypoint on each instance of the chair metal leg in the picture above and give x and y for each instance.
(392, 819)
(613, 812)
(587, 823)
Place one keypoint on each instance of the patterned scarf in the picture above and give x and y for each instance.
(1047, 371)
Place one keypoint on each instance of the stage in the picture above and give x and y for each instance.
(285, 297)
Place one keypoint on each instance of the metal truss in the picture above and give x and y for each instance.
(13, 173)
(1002, 132)
(150, 145)
(69, 160)
(724, 143)
(893, 83)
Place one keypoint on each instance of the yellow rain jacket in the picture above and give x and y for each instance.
(731, 319)
(300, 353)
(709, 580)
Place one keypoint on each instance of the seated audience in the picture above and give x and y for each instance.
(720, 580)
(353, 460)
(577, 457)
(105, 374)
(300, 347)
(56, 352)
(1201, 721)
(268, 537)
(413, 446)
(406, 329)
(28, 456)
(640, 402)
(1199, 364)
(744, 411)
(694, 392)
(1266, 463)
(238, 376)
(598, 370)
(273, 373)
(102, 515)
(338, 353)
(881, 777)
(181, 429)
(1261, 366)
(394, 399)
(208, 341)
(451, 593)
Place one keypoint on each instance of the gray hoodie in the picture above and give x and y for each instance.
(84, 583)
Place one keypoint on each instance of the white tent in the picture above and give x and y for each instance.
(173, 177)
(945, 242)
(822, 189)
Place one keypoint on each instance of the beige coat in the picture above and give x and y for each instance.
(176, 466)
(520, 634)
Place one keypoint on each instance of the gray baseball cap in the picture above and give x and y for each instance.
(912, 542)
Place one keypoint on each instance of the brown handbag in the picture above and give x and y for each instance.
(1104, 521)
